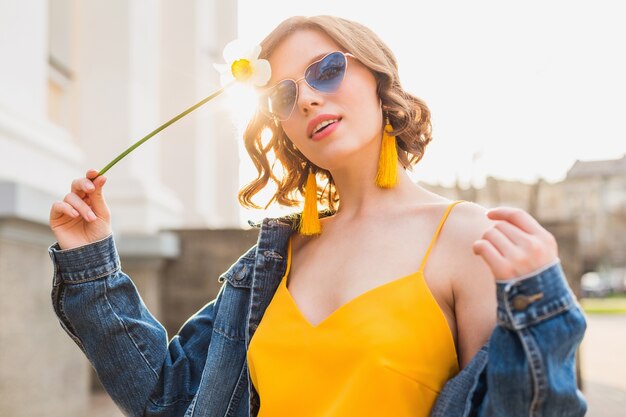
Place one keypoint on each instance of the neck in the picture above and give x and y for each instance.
(361, 198)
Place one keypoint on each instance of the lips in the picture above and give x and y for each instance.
(326, 131)
(319, 119)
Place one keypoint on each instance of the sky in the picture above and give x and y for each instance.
(517, 90)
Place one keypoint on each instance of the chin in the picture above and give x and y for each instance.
(337, 157)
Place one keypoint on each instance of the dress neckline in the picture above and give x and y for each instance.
(355, 300)
(416, 277)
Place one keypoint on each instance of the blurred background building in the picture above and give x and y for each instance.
(587, 211)
(79, 83)
(82, 81)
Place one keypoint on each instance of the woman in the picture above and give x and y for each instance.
(346, 316)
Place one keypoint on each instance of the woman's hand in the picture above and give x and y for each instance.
(83, 216)
(516, 244)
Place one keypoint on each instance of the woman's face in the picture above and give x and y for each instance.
(355, 103)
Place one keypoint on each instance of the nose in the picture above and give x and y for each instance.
(307, 97)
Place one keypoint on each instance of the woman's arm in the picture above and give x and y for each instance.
(101, 310)
(533, 325)
(531, 367)
(527, 367)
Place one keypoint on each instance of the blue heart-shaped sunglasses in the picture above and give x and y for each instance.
(324, 75)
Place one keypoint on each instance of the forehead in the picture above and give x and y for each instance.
(294, 53)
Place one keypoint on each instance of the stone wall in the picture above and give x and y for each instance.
(42, 371)
(189, 281)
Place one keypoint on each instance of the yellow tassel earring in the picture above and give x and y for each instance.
(387, 175)
(310, 222)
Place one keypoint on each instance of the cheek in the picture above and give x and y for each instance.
(290, 131)
(367, 112)
(293, 137)
(364, 100)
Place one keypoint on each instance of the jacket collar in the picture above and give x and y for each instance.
(292, 219)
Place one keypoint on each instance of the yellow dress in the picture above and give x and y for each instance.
(386, 352)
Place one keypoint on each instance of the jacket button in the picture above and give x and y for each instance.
(520, 302)
(241, 274)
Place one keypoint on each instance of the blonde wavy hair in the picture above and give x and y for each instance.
(409, 116)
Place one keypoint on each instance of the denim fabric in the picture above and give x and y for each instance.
(525, 369)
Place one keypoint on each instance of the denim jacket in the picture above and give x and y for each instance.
(527, 367)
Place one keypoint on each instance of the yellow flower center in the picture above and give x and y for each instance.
(242, 69)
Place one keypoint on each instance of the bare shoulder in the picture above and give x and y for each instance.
(469, 274)
(466, 223)
(473, 283)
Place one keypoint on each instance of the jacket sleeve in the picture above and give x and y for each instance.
(531, 357)
(100, 308)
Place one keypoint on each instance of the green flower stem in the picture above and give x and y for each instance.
(163, 126)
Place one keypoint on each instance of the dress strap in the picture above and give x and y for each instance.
(289, 256)
(434, 239)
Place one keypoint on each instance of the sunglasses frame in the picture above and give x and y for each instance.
(274, 116)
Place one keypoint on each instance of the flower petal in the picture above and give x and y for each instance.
(262, 72)
(221, 68)
(226, 77)
(233, 51)
(254, 53)
(235, 54)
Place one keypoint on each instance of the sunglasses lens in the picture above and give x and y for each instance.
(280, 100)
(327, 74)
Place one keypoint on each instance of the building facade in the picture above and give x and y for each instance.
(79, 83)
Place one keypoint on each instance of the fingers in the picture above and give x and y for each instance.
(86, 197)
(499, 266)
(513, 233)
(512, 257)
(95, 195)
(87, 184)
(80, 186)
(91, 173)
(60, 208)
(517, 217)
(502, 243)
(92, 177)
(90, 189)
(516, 244)
(77, 203)
(523, 220)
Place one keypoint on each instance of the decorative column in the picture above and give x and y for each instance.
(119, 57)
(33, 151)
(200, 152)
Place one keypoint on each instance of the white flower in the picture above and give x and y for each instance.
(243, 65)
